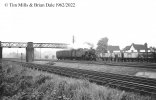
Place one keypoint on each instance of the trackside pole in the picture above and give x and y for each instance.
(0, 57)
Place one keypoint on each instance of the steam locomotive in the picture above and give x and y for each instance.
(76, 54)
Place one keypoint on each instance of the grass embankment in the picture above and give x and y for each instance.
(20, 83)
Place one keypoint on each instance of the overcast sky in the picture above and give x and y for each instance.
(122, 21)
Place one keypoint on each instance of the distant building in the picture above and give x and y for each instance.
(112, 49)
(136, 48)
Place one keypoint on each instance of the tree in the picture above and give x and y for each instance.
(102, 45)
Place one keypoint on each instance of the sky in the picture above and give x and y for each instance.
(123, 22)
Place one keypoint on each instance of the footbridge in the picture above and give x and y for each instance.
(30, 47)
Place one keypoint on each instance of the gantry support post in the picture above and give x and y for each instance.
(29, 52)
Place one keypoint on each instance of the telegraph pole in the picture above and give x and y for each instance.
(0, 60)
(73, 39)
(0, 57)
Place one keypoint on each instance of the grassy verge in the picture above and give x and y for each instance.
(20, 83)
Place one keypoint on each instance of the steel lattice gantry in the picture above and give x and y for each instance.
(35, 45)
(30, 47)
(49, 45)
(13, 44)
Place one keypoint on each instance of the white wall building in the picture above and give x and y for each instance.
(133, 50)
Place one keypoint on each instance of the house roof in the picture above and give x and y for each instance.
(113, 48)
(126, 48)
(136, 46)
(139, 47)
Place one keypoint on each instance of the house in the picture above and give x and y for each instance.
(112, 51)
(136, 48)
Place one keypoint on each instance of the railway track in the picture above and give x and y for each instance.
(128, 64)
(124, 82)
(125, 64)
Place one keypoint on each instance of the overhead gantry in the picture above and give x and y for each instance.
(30, 47)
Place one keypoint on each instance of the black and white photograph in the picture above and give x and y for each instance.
(77, 49)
